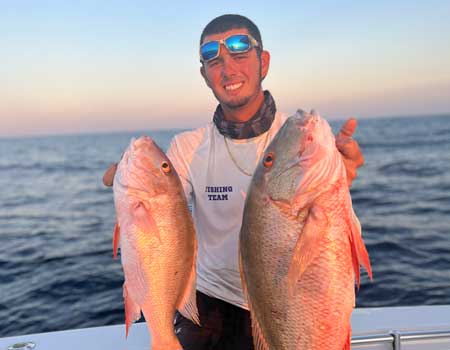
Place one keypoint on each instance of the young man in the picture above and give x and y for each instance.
(215, 164)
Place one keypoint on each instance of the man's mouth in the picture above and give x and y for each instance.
(235, 86)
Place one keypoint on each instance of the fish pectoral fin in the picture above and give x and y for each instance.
(132, 309)
(307, 247)
(116, 239)
(188, 302)
(143, 219)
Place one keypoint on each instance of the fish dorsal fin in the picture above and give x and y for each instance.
(188, 303)
(132, 309)
(360, 257)
(307, 247)
(259, 341)
(116, 239)
(143, 218)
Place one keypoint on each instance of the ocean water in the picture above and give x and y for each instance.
(57, 219)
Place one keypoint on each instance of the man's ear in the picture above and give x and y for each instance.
(265, 63)
(203, 73)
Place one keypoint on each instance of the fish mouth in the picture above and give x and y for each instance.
(143, 145)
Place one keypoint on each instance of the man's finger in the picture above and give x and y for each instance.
(350, 150)
(348, 128)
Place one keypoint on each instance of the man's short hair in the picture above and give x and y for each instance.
(227, 22)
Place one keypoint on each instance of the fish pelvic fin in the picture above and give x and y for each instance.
(307, 246)
(116, 239)
(188, 303)
(360, 256)
(132, 310)
(259, 341)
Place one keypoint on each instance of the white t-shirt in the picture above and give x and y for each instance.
(216, 189)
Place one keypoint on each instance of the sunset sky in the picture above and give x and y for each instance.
(98, 66)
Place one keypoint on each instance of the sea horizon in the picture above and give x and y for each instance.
(199, 125)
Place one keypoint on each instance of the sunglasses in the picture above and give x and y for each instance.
(236, 43)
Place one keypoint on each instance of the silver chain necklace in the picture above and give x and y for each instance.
(242, 170)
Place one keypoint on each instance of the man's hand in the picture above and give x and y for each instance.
(349, 148)
(108, 177)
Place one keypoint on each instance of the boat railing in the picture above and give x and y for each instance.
(395, 339)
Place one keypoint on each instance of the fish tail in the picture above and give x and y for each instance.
(188, 303)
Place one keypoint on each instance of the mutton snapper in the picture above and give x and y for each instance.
(300, 242)
(157, 241)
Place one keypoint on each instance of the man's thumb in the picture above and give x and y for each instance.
(348, 128)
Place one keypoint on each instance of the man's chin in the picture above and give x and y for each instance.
(236, 103)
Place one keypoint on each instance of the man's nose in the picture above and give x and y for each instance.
(229, 63)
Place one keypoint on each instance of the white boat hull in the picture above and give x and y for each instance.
(408, 328)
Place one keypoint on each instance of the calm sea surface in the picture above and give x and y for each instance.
(56, 223)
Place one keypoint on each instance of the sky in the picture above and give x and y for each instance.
(101, 66)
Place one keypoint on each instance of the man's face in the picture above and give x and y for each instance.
(235, 79)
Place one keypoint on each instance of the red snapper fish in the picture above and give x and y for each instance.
(157, 241)
(300, 243)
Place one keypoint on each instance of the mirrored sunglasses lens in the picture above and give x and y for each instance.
(238, 43)
(209, 50)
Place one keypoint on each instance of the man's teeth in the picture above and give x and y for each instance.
(233, 86)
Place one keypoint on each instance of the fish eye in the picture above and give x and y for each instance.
(165, 167)
(268, 160)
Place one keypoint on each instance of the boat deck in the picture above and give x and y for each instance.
(405, 328)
